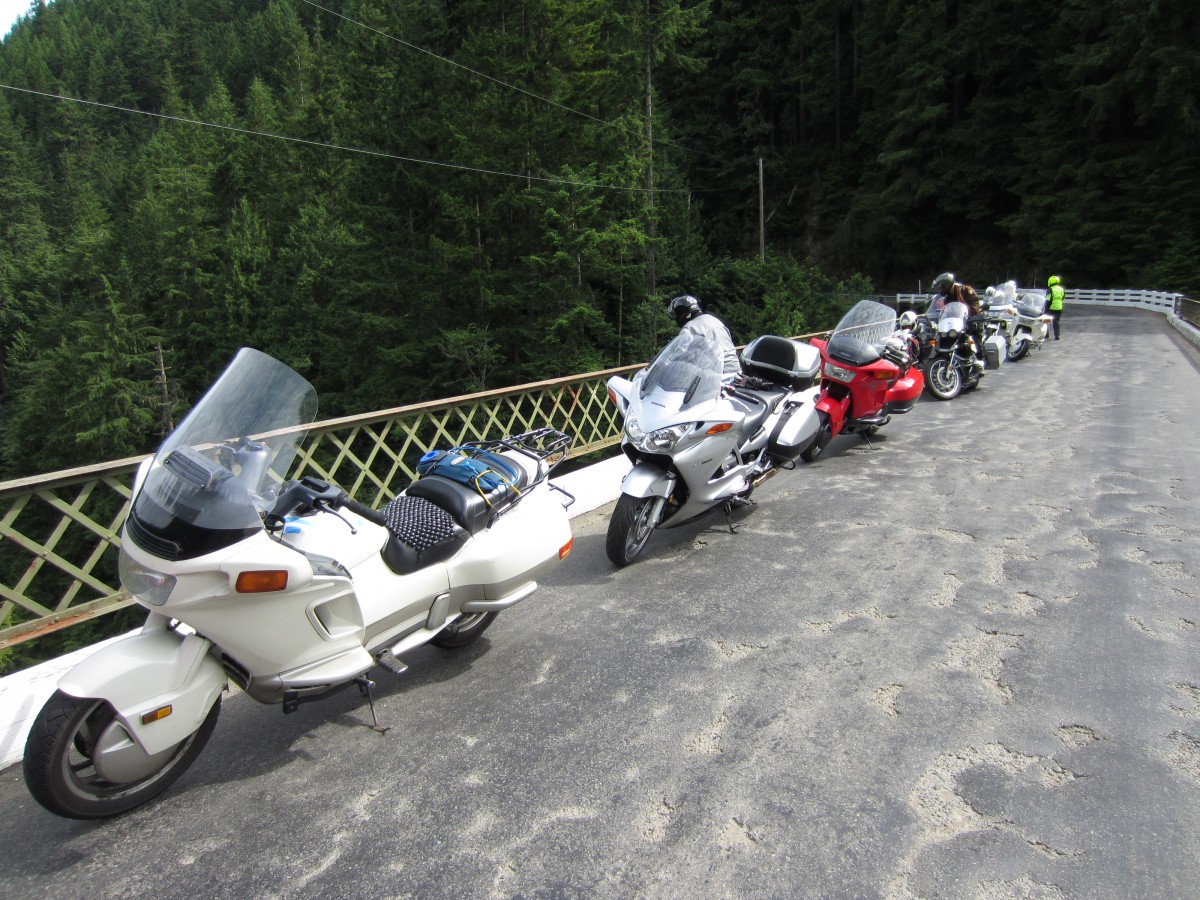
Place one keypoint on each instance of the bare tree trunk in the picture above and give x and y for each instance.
(651, 273)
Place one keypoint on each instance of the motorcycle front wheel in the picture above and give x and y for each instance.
(944, 380)
(1018, 348)
(629, 529)
(80, 761)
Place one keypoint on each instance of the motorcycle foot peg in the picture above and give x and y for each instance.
(365, 685)
(389, 661)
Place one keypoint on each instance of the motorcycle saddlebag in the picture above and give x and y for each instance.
(782, 361)
(994, 350)
(903, 394)
(795, 430)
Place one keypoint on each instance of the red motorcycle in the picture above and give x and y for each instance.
(867, 375)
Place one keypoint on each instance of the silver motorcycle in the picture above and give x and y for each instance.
(699, 443)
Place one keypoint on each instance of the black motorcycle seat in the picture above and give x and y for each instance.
(756, 412)
(422, 533)
(469, 508)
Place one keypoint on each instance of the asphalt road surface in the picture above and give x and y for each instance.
(962, 663)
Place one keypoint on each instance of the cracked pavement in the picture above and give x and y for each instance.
(960, 664)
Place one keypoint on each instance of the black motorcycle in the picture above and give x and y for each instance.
(954, 365)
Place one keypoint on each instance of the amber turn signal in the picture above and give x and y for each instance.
(718, 429)
(566, 548)
(154, 715)
(261, 582)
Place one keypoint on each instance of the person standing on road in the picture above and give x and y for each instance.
(1055, 298)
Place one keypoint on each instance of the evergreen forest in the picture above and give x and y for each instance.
(410, 200)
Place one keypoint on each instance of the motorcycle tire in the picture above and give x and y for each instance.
(1018, 349)
(824, 436)
(629, 529)
(943, 380)
(463, 630)
(60, 763)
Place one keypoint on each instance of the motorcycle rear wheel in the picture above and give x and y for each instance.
(463, 630)
(629, 529)
(944, 381)
(81, 763)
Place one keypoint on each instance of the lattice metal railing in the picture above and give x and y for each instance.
(60, 533)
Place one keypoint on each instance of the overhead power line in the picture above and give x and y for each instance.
(502, 83)
(342, 147)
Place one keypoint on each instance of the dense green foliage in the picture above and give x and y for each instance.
(898, 139)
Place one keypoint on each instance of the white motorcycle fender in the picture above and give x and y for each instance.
(644, 480)
(149, 671)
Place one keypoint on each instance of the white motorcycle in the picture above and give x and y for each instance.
(698, 444)
(1018, 318)
(288, 588)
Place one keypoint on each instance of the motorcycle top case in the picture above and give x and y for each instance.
(782, 361)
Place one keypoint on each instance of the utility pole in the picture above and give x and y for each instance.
(762, 225)
(652, 274)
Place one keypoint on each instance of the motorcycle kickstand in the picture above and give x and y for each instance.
(728, 506)
(364, 686)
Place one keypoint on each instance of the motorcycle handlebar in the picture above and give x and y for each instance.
(314, 493)
(371, 515)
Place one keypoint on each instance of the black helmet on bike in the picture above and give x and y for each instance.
(683, 309)
(943, 283)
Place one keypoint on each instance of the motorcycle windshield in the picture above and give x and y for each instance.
(690, 366)
(215, 475)
(954, 317)
(861, 331)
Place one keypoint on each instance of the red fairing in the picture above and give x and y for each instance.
(834, 407)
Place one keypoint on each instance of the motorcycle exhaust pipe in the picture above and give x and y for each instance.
(765, 476)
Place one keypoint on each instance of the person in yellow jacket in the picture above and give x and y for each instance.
(1054, 298)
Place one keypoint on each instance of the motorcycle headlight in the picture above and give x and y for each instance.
(952, 334)
(838, 373)
(144, 583)
(663, 440)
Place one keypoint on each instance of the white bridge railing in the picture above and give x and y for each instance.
(1158, 301)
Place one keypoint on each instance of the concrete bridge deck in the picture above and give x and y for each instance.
(961, 664)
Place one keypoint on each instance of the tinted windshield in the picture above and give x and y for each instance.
(216, 473)
(861, 331)
(689, 366)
